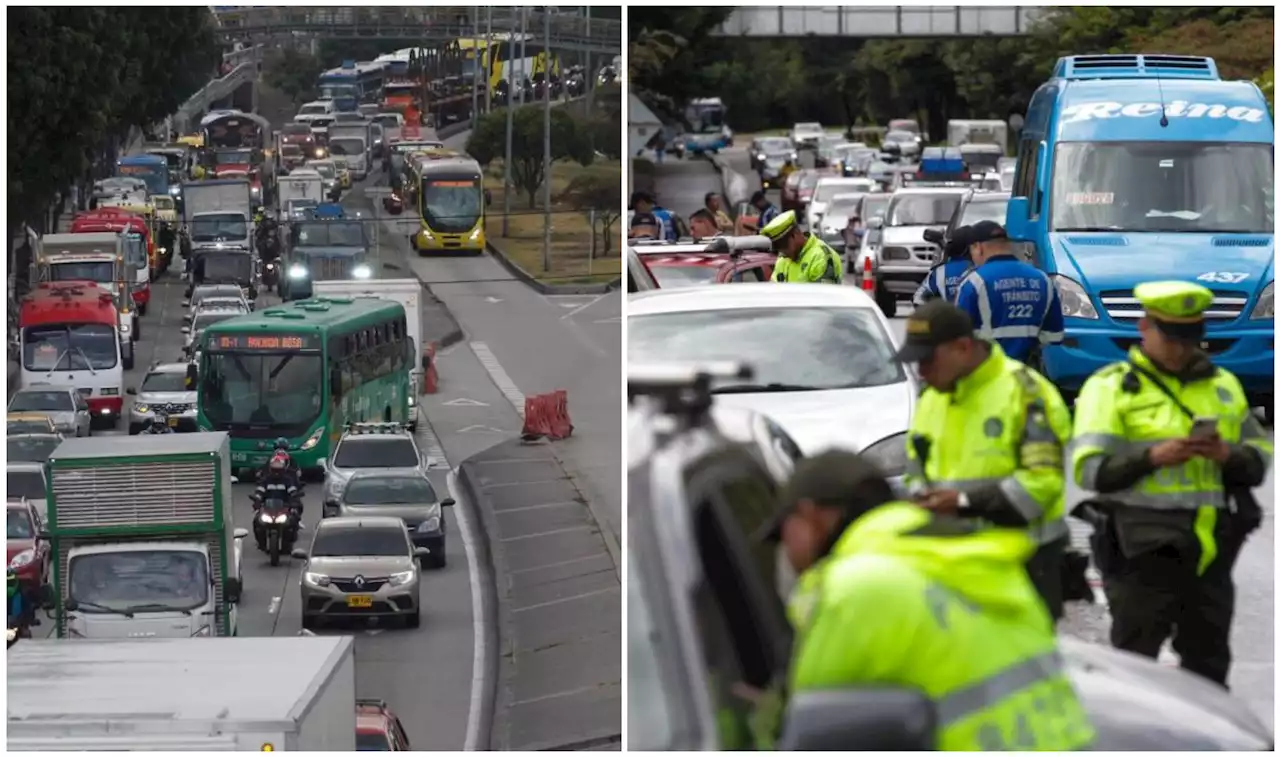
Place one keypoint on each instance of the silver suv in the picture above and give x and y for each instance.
(164, 390)
(360, 568)
(902, 256)
(380, 447)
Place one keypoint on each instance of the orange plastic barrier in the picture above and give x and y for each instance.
(558, 404)
(430, 378)
(547, 416)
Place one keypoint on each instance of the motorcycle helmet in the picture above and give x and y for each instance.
(279, 461)
(281, 444)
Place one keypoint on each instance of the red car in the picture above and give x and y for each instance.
(28, 551)
(378, 729)
(684, 269)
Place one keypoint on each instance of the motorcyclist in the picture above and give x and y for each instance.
(281, 446)
(159, 425)
(277, 481)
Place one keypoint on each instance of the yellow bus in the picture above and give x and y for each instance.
(448, 194)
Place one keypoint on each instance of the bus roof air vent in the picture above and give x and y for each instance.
(313, 307)
(293, 316)
(1079, 67)
(274, 312)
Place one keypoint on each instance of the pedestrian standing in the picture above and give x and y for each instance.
(1167, 441)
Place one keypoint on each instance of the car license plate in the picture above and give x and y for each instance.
(360, 600)
(173, 421)
(239, 457)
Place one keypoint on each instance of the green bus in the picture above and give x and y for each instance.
(302, 370)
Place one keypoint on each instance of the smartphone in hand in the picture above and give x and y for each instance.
(1204, 428)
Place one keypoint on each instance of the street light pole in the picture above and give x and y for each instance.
(506, 161)
(488, 59)
(546, 141)
(475, 70)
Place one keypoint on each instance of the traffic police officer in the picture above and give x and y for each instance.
(1011, 302)
(944, 278)
(801, 257)
(980, 644)
(1168, 442)
(987, 438)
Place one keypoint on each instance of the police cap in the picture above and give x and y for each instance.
(931, 325)
(835, 479)
(1175, 307)
(780, 226)
(982, 231)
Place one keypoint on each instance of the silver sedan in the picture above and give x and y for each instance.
(65, 407)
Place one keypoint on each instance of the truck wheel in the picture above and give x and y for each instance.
(887, 301)
(414, 620)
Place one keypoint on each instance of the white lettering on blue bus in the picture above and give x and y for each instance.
(1175, 109)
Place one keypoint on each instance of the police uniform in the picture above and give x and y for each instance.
(1011, 302)
(904, 598)
(943, 280)
(998, 439)
(816, 263)
(1166, 538)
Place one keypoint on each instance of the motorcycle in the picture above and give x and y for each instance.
(275, 526)
(271, 275)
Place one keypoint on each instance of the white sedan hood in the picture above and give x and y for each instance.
(849, 419)
(897, 235)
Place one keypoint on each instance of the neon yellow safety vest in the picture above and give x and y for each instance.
(953, 615)
(1003, 425)
(816, 263)
(1111, 420)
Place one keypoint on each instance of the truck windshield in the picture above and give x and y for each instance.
(330, 234)
(20, 525)
(1203, 187)
(451, 205)
(73, 347)
(232, 157)
(346, 146)
(103, 273)
(214, 227)
(923, 210)
(153, 579)
(242, 391)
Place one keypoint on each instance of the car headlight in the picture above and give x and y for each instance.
(402, 578)
(142, 408)
(889, 454)
(22, 559)
(315, 579)
(1265, 309)
(760, 156)
(314, 439)
(297, 271)
(430, 524)
(362, 272)
(319, 152)
(1075, 301)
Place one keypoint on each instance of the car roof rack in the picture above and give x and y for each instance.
(683, 390)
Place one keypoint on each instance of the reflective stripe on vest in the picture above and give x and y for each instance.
(1189, 498)
(1042, 532)
(990, 691)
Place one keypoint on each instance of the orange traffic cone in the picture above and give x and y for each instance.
(868, 280)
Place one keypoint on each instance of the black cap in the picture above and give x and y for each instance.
(837, 479)
(641, 195)
(757, 196)
(982, 231)
(932, 324)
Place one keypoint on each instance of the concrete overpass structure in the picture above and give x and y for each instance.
(422, 24)
(879, 21)
(238, 88)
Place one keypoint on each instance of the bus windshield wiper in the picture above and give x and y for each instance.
(763, 388)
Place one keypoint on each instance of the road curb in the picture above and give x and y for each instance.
(543, 288)
(491, 610)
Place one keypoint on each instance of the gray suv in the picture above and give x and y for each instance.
(360, 568)
(163, 391)
(404, 494)
(379, 447)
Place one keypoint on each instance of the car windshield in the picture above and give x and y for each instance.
(223, 265)
(28, 427)
(280, 393)
(20, 525)
(223, 303)
(856, 351)
(35, 400)
(80, 347)
(366, 541)
(296, 130)
(389, 490)
(35, 448)
(1205, 187)
(162, 579)
(984, 210)
(387, 120)
(290, 150)
(315, 109)
(331, 234)
(165, 381)
(873, 207)
(844, 207)
(372, 742)
(203, 321)
(676, 276)
(211, 292)
(394, 452)
(899, 136)
(346, 146)
(28, 484)
(215, 227)
(775, 145)
(326, 170)
(828, 189)
(922, 209)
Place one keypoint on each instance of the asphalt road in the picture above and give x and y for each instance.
(680, 186)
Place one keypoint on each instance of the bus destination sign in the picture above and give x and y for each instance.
(263, 342)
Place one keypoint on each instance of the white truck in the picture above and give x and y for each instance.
(407, 292)
(302, 184)
(100, 257)
(259, 694)
(354, 142)
(218, 212)
(985, 132)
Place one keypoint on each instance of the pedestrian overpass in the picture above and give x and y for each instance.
(423, 24)
(879, 21)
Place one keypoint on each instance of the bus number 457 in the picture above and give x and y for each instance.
(1223, 277)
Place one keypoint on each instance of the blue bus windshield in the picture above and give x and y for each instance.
(156, 176)
(1200, 187)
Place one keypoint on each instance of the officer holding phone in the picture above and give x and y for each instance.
(1167, 441)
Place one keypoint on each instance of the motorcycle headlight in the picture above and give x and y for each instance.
(889, 454)
(1265, 309)
(22, 559)
(1075, 301)
(314, 439)
(267, 518)
(315, 579)
(402, 578)
(297, 271)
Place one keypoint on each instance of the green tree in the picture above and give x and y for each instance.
(600, 199)
(569, 141)
(294, 73)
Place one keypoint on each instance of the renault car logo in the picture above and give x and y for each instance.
(359, 581)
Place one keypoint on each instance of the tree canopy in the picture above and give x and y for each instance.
(768, 83)
(570, 140)
(81, 77)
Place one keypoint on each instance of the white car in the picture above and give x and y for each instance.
(902, 256)
(807, 135)
(823, 358)
(828, 187)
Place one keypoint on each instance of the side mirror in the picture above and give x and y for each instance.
(239, 533)
(1016, 219)
(44, 535)
(876, 223)
(421, 552)
(235, 479)
(186, 318)
(231, 590)
(936, 236)
(131, 392)
(448, 502)
(298, 554)
(877, 720)
(186, 329)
